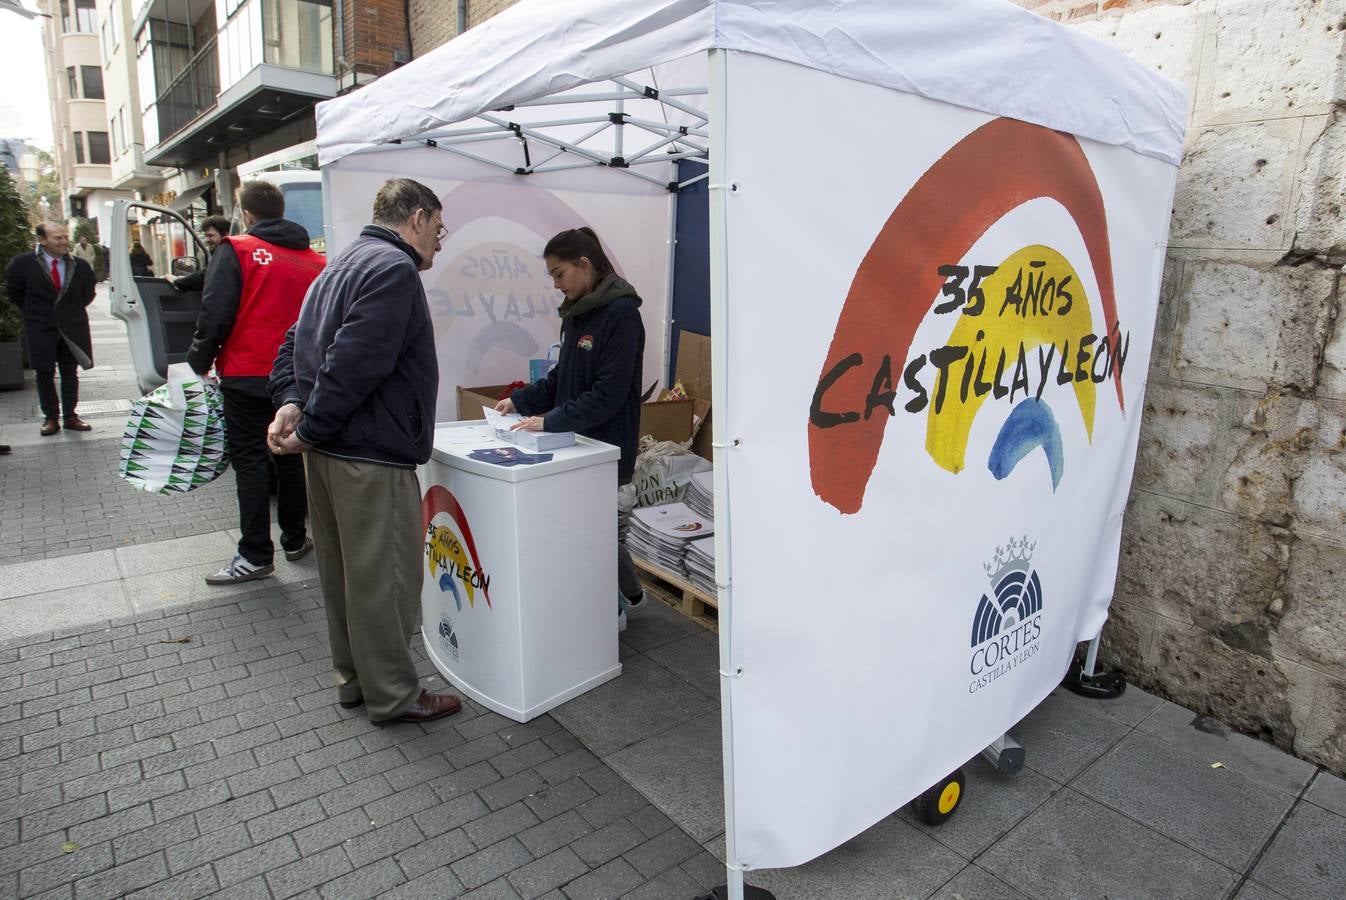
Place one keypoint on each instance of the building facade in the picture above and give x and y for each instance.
(126, 132)
(75, 77)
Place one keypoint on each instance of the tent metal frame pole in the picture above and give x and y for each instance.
(450, 148)
(666, 128)
(1091, 657)
(664, 97)
(461, 132)
(693, 180)
(719, 323)
(631, 92)
(500, 134)
(668, 310)
(655, 146)
(549, 140)
(537, 167)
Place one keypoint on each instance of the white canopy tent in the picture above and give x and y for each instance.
(937, 138)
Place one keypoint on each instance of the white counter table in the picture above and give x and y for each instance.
(519, 601)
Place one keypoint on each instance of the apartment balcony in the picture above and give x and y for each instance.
(269, 63)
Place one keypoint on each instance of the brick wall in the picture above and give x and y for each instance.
(375, 31)
(435, 21)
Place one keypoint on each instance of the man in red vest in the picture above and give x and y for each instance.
(255, 284)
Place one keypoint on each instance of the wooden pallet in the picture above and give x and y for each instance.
(679, 593)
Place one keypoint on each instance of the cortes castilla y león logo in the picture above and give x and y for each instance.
(448, 639)
(1008, 621)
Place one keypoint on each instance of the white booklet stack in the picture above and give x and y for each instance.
(532, 441)
(700, 494)
(700, 561)
(659, 534)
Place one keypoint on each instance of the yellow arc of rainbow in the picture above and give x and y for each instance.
(1005, 329)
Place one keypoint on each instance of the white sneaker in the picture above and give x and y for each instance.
(239, 569)
(621, 621)
(626, 604)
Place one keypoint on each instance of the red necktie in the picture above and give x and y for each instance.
(56, 274)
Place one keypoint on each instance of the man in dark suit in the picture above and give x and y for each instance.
(53, 289)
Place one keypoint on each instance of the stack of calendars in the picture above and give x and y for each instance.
(659, 534)
(700, 495)
(700, 563)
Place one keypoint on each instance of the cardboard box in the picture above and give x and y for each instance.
(693, 370)
(667, 420)
(472, 399)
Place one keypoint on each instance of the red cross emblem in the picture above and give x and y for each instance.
(262, 256)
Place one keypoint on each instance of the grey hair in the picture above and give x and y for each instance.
(398, 200)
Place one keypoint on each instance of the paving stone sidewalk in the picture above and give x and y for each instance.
(182, 755)
(61, 494)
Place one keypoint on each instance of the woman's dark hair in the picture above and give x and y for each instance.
(570, 245)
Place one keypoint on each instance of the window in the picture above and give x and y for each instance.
(92, 76)
(114, 27)
(98, 148)
(72, 83)
(107, 46)
(79, 15)
(121, 129)
(79, 148)
(86, 17)
(116, 137)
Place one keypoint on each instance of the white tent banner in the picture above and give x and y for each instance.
(935, 390)
(491, 301)
(981, 54)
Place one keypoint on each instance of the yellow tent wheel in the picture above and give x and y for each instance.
(948, 798)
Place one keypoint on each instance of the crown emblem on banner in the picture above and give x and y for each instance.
(1013, 557)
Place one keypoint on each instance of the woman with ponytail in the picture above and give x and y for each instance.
(594, 389)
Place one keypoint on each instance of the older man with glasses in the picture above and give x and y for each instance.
(356, 383)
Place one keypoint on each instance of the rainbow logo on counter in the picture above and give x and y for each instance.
(450, 551)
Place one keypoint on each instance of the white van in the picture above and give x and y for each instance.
(160, 319)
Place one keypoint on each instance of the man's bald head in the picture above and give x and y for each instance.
(53, 238)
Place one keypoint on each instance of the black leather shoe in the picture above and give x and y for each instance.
(427, 707)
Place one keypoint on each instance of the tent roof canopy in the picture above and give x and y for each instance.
(988, 55)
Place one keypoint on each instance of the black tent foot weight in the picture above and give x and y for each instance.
(749, 893)
(1099, 686)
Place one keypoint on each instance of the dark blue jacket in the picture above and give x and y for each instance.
(361, 358)
(594, 390)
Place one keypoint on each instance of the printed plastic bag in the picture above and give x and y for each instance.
(663, 471)
(174, 440)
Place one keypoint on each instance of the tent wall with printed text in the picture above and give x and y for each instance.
(936, 239)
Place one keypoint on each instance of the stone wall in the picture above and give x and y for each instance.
(1234, 547)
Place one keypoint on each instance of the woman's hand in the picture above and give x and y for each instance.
(532, 423)
(505, 407)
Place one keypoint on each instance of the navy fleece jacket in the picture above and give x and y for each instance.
(361, 360)
(594, 390)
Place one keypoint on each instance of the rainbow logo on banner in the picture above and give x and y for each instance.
(450, 551)
(1019, 325)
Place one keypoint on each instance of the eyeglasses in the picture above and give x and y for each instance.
(441, 232)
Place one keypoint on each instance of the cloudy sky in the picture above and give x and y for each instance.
(24, 112)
